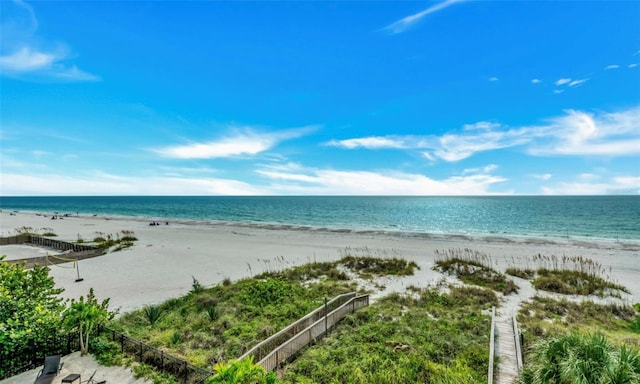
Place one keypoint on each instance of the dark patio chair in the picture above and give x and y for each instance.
(52, 367)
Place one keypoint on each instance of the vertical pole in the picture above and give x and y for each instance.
(326, 313)
(78, 271)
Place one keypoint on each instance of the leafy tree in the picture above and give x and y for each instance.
(84, 315)
(29, 311)
(581, 359)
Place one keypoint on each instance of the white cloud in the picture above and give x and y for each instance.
(24, 55)
(493, 79)
(483, 170)
(336, 182)
(581, 133)
(536, 81)
(481, 125)
(107, 184)
(612, 66)
(558, 91)
(575, 83)
(409, 21)
(544, 176)
(575, 133)
(617, 185)
(247, 143)
(563, 81)
(372, 142)
(588, 176)
(26, 60)
(633, 65)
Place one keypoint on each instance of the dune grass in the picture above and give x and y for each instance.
(569, 276)
(473, 267)
(424, 336)
(547, 317)
(219, 323)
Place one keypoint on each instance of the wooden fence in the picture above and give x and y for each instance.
(288, 349)
(76, 251)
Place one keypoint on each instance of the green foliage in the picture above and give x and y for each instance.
(84, 315)
(118, 243)
(544, 317)
(260, 293)
(526, 273)
(573, 283)
(379, 267)
(29, 311)
(196, 287)
(241, 372)
(426, 336)
(152, 313)
(473, 267)
(576, 358)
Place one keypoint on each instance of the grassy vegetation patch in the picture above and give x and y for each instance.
(363, 265)
(425, 336)
(222, 322)
(122, 240)
(473, 267)
(581, 358)
(570, 276)
(545, 317)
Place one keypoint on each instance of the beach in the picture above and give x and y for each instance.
(166, 258)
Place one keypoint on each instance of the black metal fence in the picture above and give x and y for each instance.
(182, 370)
(32, 354)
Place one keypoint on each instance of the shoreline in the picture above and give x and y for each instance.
(537, 239)
(166, 258)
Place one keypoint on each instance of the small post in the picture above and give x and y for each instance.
(78, 271)
(326, 313)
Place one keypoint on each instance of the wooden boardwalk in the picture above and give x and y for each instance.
(506, 351)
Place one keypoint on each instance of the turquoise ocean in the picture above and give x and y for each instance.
(608, 218)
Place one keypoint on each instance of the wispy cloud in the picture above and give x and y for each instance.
(575, 133)
(13, 184)
(493, 79)
(581, 133)
(373, 142)
(544, 176)
(612, 66)
(245, 142)
(25, 55)
(411, 20)
(563, 81)
(302, 180)
(633, 65)
(576, 83)
(616, 185)
(536, 81)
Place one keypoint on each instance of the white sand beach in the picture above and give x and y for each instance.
(166, 258)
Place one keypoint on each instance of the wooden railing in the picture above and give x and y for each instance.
(288, 349)
(265, 347)
(492, 345)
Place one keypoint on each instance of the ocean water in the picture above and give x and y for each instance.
(591, 217)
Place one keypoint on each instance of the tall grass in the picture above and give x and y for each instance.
(473, 267)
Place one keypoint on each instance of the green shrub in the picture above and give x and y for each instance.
(152, 313)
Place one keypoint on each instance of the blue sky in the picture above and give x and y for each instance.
(316, 97)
